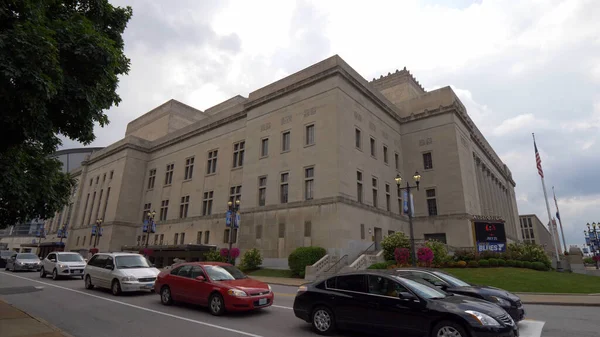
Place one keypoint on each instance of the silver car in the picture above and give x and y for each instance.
(63, 264)
(24, 261)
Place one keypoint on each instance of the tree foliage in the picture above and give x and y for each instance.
(59, 67)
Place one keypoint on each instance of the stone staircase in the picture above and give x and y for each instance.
(328, 265)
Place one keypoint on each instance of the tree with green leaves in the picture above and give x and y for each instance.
(59, 66)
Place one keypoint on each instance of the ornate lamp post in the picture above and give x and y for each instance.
(232, 222)
(594, 242)
(150, 226)
(417, 178)
(97, 231)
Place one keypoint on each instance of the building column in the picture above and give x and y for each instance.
(488, 191)
(494, 191)
(479, 175)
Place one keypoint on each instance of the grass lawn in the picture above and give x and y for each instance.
(527, 280)
(272, 273)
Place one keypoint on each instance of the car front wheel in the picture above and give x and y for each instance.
(55, 274)
(116, 288)
(323, 321)
(448, 329)
(216, 305)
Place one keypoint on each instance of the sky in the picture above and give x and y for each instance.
(520, 67)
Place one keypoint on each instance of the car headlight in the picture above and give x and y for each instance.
(271, 290)
(61, 266)
(500, 301)
(483, 318)
(128, 279)
(236, 293)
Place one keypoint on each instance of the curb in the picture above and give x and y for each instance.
(561, 304)
(43, 321)
(555, 294)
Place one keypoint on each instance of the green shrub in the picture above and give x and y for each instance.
(391, 242)
(527, 264)
(484, 263)
(511, 263)
(473, 264)
(493, 262)
(390, 262)
(380, 265)
(528, 252)
(501, 263)
(519, 264)
(251, 259)
(461, 264)
(588, 260)
(451, 264)
(214, 256)
(539, 266)
(304, 256)
(464, 255)
(440, 252)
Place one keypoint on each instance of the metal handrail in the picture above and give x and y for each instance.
(366, 250)
(335, 264)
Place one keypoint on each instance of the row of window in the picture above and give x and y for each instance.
(427, 159)
(235, 193)
(527, 230)
(237, 160)
(429, 194)
(111, 174)
(87, 211)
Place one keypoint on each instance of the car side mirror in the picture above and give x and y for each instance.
(52, 260)
(406, 296)
(110, 266)
(201, 278)
(442, 286)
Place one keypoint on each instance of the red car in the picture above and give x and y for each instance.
(219, 286)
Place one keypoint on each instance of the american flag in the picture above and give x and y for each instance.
(538, 161)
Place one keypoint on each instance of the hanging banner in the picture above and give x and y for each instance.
(153, 227)
(145, 226)
(93, 230)
(238, 220)
(228, 219)
(490, 236)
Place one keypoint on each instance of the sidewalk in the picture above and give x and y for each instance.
(527, 298)
(16, 323)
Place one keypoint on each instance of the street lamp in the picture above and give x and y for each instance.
(149, 227)
(594, 241)
(417, 178)
(232, 222)
(97, 231)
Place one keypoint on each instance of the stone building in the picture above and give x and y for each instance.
(312, 158)
(534, 231)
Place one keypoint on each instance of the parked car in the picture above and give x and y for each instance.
(382, 302)
(63, 264)
(23, 261)
(508, 301)
(219, 286)
(5, 255)
(120, 272)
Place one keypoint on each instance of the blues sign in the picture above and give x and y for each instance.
(490, 236)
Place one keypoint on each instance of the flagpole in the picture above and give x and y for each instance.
(562, 233)
(558, 267)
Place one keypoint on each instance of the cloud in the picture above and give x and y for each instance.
(518, 66)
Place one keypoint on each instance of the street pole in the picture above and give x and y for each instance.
(232, 208)
(417, 178)
(97, 234)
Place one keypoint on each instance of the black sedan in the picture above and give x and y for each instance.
(382, 302)
(508, 301)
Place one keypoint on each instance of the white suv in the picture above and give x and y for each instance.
(120, 272)
(61, 264)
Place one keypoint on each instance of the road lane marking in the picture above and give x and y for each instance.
(531, 328)
(282, 307)
(141, 308)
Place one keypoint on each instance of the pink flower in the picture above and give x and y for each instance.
(425, 255)
(224, 252)
(235, 252)
(402, 256)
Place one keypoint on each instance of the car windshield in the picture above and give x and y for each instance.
(70, 258)
(224, 273)
(452, 280)
(423, 290)
(131, 261)
(27, 256)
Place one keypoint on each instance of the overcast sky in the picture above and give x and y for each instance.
(518, 66)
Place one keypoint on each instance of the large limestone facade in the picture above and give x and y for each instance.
(314, 134)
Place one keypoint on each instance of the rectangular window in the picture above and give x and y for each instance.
(362, 231)
(226, 235)
(169, 174)
(309, 136)
(199, 238)
(357, 139)
(431, 202)
(105, 203)
(238, 154)
(309, 183)
(146, 210)
(427, 161)
(258, 232)
(189, 168)
(83, 242)
(207, 203)
(359, 186)
(307, 229)
(264, 147)
(175, 238)
(91, 209)
(283, 188)
(112, 173)
(97, 179)
(375, 200)
(104, 177)
(397, 161)
(262, 191)
(235, 193)
(211, 165)
(388, 197)
(77, 242)
(156, 239)
(139, 240)
(373, 148)
(183, 208)
(281, 230)
(385, 154)
(161, 240)
(91, 181)
(206, 237)
(164, 209)
(285, 141)
(151, 179)
(85, 208)
(182, 239)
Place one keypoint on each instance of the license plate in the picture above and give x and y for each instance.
(77, 271)
(148, 286)
(262, 301)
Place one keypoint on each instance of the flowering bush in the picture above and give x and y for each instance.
(391, 242)
(224, 252)
(425, 255)
(402, 256)
(596, 258)
(440, 252)
(235, 252)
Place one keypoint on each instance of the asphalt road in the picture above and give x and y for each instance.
(96, 313)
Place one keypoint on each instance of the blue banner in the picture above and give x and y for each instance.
(238, 220)
(145, 227)
(405, 202)
(153, 227)
(93, 230)
(228, 219)
(100, 231)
